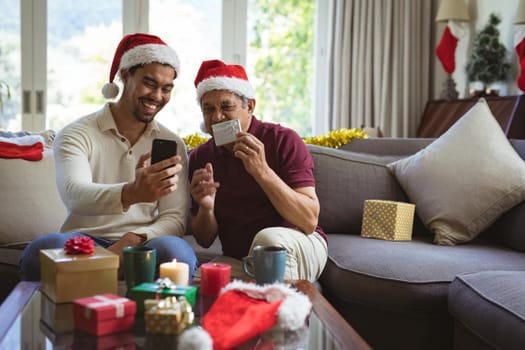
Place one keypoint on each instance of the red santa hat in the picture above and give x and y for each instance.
(138, 49)
(216, 75)
(246, 310)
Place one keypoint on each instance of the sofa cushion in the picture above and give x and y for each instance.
(392, 146)
(415, 273)
(464, 180)
(491, 306)
(508, 229)
(344, 180)
(204, 255)
(31, 205)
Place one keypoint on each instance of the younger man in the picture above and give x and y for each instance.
(111, 192)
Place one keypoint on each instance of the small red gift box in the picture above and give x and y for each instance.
(104, 314)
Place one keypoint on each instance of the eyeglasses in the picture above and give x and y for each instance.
(224, 108)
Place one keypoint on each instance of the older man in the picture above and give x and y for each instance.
(257, 190)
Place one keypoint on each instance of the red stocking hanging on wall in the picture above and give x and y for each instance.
(519, 45)
(446, 49)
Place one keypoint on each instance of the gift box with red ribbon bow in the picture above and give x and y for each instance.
(66, 277)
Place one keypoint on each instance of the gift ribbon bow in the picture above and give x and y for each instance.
(79, 245)
(164, 283)
(104, 301)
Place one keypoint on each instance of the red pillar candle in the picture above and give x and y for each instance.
(214, 276)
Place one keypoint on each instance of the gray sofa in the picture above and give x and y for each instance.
(399, 295)
(415, 294)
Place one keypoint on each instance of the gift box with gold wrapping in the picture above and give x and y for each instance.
(104, 314)
(163, 288)
(58, 317)
(170, 315)
(388, 220)
(66, 277)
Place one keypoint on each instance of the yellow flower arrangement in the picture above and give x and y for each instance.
(194, 140)
(334, 139)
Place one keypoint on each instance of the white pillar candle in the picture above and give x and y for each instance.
(177, 272)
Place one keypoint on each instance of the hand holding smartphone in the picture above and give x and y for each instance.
(162, 149)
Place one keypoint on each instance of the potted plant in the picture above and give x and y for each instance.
(488, 62)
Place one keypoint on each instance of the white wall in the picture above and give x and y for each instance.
(479, 11)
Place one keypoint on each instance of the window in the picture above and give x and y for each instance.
(10, 57)
(280, 61)
(54, 63)
(57, 64)
(193, 29)
(78, 61)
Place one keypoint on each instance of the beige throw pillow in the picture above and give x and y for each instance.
(464, 180)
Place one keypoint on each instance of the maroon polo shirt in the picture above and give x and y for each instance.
(241, 207)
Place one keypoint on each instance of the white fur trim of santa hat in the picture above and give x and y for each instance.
(238, 86)
(139, 49)
(150, 53)
(217, 75)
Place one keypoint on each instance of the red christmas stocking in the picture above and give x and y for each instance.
(519, 44)
(446, 50)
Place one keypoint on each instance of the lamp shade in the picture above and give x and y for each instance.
(455, 10)
(520, 14)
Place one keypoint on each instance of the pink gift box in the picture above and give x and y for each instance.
(104, 314)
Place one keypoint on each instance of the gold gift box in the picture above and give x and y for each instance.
(66, 277)
(167, 316)
(388, 220)
(58, 317)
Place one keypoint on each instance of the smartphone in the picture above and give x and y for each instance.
(162, 149)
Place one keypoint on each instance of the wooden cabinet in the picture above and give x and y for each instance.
(440, 115)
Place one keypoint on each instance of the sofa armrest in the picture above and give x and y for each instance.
(31, 205)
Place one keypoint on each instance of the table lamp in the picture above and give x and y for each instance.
(454, 12)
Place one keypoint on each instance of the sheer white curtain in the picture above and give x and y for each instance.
(377, 60)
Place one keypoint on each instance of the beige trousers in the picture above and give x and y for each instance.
(306, 258)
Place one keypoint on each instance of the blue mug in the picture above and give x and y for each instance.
(268, 264)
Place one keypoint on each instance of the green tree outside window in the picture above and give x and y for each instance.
(283, 47)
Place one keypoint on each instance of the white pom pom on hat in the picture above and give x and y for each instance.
(138, 49)
(217, 75)
(110, 90)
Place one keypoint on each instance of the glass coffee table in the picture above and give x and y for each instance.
(24, 326)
